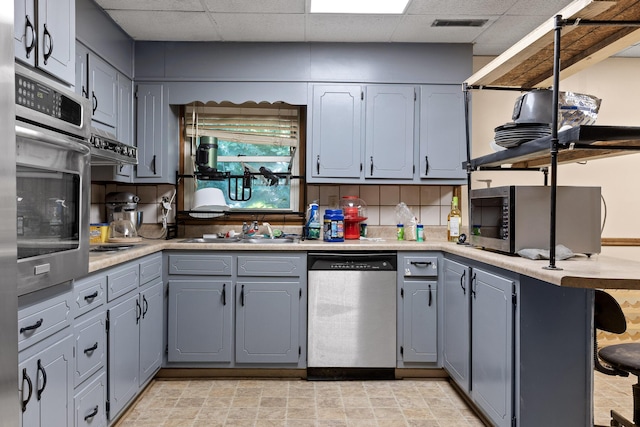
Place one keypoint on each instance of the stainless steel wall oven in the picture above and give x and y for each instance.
(52, 182)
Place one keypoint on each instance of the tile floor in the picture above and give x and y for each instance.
(425, 403)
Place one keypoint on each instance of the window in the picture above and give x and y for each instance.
(249, 151)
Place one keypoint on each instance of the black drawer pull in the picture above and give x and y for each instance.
(242, 296)
(224, 294)
(430, 296)
(91, 349)
(92, 296)
(464, 289)
(92, 414)
(25, 377)
(420, 263)
(44, 379)
(32, 327)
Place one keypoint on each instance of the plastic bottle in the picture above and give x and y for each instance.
(313, 222)
(333, 225)
(400, 231)
(420, 233)
(454, 220)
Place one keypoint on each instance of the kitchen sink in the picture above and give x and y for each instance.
(213, 240)
(249, 240)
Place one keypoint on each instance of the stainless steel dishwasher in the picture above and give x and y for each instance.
(352, 315)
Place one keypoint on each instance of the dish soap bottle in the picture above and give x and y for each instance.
(313, 222)
(454, 220)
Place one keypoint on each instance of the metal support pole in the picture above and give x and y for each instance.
(465, 91)
(554, 143)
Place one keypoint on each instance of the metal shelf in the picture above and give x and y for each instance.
(574, 145)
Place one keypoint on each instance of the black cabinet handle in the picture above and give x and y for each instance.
(94, 101)
(371, 162)
(29, 26)
(32, 327)
(318, 164)
(138, 311)
(45, 37)
(145, 305)
(430, 296)
(91, 349)
(91, 296)
(224, 294)
(25, 377)
(473, 285)
(426, 168)
(85, 93)
(153, 164)
(44, 379)
(420, 263)
(464, 290)
(242, 296)
(92, 414)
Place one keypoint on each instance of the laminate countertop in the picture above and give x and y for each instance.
(602, 272)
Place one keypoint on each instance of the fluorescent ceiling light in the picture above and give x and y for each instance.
(359, 6)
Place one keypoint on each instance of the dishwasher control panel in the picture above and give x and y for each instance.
(351, 261)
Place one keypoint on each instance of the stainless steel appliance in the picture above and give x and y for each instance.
(107, 150)
(52, 182)
(123, 205)
(352, 315)
(511, 218)
(9, 402)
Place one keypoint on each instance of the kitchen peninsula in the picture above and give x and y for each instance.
(538, 310)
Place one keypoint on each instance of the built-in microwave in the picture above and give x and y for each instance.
(52, 182)
(508, 219)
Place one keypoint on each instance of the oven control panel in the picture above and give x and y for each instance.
(44, 99)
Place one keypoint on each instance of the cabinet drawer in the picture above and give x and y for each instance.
(88, 293)
(90, 343)
(122, 281)
(150, 268)
(89, 403)
(42, 319)
(281, 266)
(210, 265)
(420, 266)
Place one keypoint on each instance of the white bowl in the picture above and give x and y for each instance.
(209, 199)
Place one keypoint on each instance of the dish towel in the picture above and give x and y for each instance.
(562, 252)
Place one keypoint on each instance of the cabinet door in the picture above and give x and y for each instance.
(150, 130)
(442, 132)
(267, 317)
(125, 110)
(51, 374)
(82, 71)
(91, 349)
(103, 84)
(89, 403)
(336, 132)
(456, 322)
(492, 345)
(420, 321)
(57, 38)
(389, 132)
(200, 320)
(124, 341)
(24, 31)
(151, 300)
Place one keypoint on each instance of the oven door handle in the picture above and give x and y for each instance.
(47, 138)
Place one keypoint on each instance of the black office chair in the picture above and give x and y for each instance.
(622, 359)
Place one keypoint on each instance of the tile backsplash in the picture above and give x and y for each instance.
(429, 203)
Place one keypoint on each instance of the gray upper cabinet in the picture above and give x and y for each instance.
(442, 136)
(336, 131)
(389, 133)
(45, 36)
(361, 132)
(103, 91)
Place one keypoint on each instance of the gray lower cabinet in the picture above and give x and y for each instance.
(418, 328)
(46, 382)
(456, 343)
(134, 331)
(200, 320)
(236, 309)
(267, 321)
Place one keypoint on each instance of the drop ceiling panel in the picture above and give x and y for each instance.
(418, 29)
(256, 6)
(166, 26)
(548, 8)
(507, 30)
(461, 7)
(260, 27)
(355, 28)
(193, 5)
